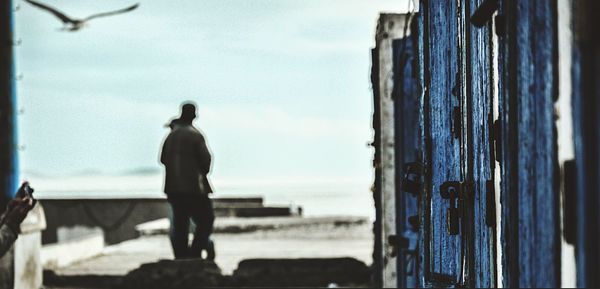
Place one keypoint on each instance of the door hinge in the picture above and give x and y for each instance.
(483, 14)
(490, 208)
(412, 180)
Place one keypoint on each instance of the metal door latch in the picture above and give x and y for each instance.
(411, 182)
(455, 192)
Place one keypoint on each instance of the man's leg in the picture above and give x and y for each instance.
(180, 226)
(204, 219)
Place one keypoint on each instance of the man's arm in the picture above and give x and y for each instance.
(7, 238)
(204, 157)
(11, 222)
(164, 151)
(15, 213)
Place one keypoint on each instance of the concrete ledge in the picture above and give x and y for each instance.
(248, 212)
(238, 202)
(117, 217)
(62, 254)
(244, 225)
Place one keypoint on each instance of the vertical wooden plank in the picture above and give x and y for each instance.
(529, 164)
(586, 104)
(406, 100)
(547, 212)
(8, 127)
(422, 40)
(508, 166)
(444, 154)
(526, 162)
(536, 88)
(479, 96)
(389, 28)
(8, 100)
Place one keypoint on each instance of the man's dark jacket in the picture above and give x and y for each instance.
(187, 161)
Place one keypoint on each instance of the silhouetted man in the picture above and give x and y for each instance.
(187, 162)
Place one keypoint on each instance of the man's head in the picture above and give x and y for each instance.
(188, 112)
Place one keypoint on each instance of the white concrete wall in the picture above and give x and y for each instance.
(27, 266)
(390, 27)
(65, 253)
(28, 269)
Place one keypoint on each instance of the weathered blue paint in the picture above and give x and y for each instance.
(586, 120)
(442, 252)
(8, 127)
(479, 163)
(406, 114)
(454, 68)
(421, 41)
(528, 87)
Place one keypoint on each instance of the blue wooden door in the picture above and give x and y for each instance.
(528, 88)
(442, 252)
(457, 104)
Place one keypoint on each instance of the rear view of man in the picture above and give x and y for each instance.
(187, 163)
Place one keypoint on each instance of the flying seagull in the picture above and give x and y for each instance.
(72, 24)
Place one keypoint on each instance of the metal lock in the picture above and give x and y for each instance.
(452, 191)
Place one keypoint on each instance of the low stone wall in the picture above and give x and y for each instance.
(116, 217)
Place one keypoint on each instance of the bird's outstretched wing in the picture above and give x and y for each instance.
(132, 7)
(60, 15)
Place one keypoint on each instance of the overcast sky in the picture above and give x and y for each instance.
(282, 86)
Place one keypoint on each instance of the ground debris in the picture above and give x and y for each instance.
(175, 274)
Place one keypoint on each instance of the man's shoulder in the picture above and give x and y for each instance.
(188, 131)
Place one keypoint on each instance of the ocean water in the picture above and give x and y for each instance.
(317, 197)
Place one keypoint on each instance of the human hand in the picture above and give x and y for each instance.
(17, 210)
(25, 191)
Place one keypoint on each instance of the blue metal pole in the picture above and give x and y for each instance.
(8, 123)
